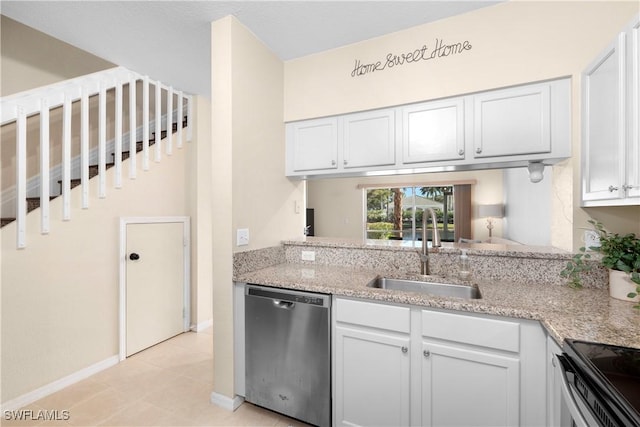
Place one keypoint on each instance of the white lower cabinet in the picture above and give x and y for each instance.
(462, 387)
(398, 365)
(554, 393)
(371, 364)
(372, 378)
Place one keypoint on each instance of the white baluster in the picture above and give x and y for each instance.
(102, 141)
(118, 136)
(84, 146)
(44, 166)
(132, 128)
(170, 121)
(66, 158)
(179, 120)
(145, 123)
(189, 118)
(158, 117)
(21, 176)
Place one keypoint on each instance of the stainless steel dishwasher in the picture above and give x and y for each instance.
(288, 352)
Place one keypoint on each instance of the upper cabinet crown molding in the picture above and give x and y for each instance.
(498, 128)
(610, 123)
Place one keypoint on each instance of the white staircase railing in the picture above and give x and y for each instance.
(16, 108)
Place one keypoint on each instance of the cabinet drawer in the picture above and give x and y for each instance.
(497, 334)
(381, 316)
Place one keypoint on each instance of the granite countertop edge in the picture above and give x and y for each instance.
(585, 314)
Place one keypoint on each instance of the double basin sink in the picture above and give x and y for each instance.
(427, 287)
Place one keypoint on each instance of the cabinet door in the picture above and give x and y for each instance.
(371, 378)
(633, 159)
(314, 144)
(433, 131)
(462, 387)
(514, 121)
(603, 133)
(554, 394)
(369, 139)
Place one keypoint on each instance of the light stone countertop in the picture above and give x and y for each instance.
(585, 314)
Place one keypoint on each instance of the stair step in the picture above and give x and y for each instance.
(34, 202)
(5, 221)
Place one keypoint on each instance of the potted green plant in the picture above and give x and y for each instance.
(620, 254)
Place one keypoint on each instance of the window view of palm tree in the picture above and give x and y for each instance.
(396, 213)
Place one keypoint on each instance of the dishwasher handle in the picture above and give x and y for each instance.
(286, 305)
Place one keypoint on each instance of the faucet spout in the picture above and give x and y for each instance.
(424, 256)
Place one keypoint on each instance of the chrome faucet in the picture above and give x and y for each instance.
(424, 256)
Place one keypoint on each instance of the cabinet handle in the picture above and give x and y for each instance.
(333, 162)
(426, 353)
(461, 152)
(612, 189)
(404, 349)
(626, 187)
(478, 150)
(344, 162)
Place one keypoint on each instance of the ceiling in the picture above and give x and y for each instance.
(171, 41)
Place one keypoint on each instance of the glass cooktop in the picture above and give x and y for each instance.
(615, 370)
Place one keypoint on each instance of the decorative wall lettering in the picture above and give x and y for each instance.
(440, 50)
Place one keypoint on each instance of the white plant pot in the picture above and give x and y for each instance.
(620, 285)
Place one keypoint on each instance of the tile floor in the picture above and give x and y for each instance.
(168, 384)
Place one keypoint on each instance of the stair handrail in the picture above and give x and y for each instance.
(17, 107)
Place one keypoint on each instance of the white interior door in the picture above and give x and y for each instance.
(155, 283)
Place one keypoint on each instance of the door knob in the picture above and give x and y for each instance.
(134, 256)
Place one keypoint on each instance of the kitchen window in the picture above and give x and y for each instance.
(395, 213)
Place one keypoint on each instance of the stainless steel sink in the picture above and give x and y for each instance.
(431, 288)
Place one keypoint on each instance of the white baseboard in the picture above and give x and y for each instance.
(58, 385)
(204, 325)
(226, 402)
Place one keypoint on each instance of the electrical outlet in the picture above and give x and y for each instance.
(308, 256)
(242, 237)
(591, 239)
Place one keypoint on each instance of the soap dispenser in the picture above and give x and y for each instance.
(464, 267)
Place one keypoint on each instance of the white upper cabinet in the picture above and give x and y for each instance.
(312, 145)
(610, 116)
(369, 139)
(603, 138)
(433, 131)
(633, 160)
(512, 121)
(508, 127)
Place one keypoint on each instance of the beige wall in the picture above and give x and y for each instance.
(339, 205)
(62, 315)
(60, 294)
(512, 43)
(250, 189)
(201, 202)
(31, 59)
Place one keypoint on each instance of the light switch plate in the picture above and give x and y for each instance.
(308, 256)
(242, 237)
(591, 239)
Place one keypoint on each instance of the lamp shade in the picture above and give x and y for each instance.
(491, 211)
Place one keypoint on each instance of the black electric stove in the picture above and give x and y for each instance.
(611, 377)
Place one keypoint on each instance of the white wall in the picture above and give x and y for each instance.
(250, 189)
(512, 43)
(527, 207)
